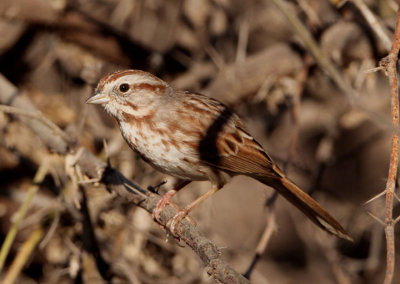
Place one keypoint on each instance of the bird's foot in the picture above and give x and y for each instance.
(172, 223)
(165, 200)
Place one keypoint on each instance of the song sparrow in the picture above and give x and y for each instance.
(194, 137)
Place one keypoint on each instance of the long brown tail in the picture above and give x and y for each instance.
(307, 205)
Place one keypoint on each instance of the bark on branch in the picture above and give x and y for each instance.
(115, 181)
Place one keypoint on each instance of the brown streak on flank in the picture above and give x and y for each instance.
(147, 119)
(191, 144)
(176, 144)
(173, 126)
(140, 133)
(180, 112)
(191, 133)
(189, 162)
(166, 144)
(162, 132)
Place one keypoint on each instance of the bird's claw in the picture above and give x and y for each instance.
(165, 200)
(174, 221)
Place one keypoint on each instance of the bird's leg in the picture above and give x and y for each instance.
(174, 221)
(166, 199)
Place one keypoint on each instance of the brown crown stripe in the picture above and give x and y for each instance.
(115, 75)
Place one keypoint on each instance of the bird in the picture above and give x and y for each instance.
(194, 137)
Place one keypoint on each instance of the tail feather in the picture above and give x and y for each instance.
(307, 205)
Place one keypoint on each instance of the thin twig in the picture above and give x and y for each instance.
(377, 219)
(327, 65)
(389, 63)
(375, 197)
(300, 80)
(315, 50)
(5, 248)
(271, 226)
(241, 49)
(380, 31)
(36, 115)
(23, 256)
(51, 230)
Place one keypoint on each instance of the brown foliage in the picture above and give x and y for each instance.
(331, 130)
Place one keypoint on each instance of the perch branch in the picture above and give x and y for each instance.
(116, 182)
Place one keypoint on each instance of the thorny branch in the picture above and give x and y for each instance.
(116, 182)
(394, 157)
(389, 64)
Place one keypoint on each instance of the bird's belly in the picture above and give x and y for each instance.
(165, 156)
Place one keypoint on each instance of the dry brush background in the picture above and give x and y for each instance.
(333, 142)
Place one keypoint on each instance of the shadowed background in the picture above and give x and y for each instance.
(243, 53)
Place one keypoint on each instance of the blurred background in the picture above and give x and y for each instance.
(334, 144)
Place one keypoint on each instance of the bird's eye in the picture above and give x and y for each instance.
(124, 87)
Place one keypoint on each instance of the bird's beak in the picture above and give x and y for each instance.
(98, 99)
